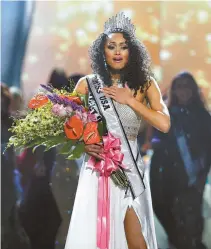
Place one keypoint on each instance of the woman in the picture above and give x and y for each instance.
(180, 165)
(58, 79)
(122, 70)
(13, 235)
(38, 211)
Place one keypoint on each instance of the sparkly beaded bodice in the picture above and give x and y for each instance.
(130, 120)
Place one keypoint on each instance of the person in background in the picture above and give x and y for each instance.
(180, 164)
(39, 212)
(12, 234)
(38, 209)
(17, 100)
(58, 79)
(65, 177)
(146, 134)
(75, 77)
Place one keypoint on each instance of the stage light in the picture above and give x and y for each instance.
(91, 26)
(108, 8)
(208, 60)
(183, 37)
(64, 33)
(63, 15)
(150, 10)
(157, 70)
(202, 16)
(208, 37)
(64, 47)
(192, 52)
(154, 39)
(32, 59)
(165, 55)
(58, 56)
(25, 77)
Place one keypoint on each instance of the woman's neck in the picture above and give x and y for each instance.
(115, 76)
(115, 79)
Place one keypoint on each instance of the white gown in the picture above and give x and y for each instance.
(82, 231)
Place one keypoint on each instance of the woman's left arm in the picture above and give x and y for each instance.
(157, 115)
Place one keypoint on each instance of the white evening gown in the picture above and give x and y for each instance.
(82, 231)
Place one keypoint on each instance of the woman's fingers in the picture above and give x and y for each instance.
(94, 148)
(96, 155)
(110, 91)
(110, 95)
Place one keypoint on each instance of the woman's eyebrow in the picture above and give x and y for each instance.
(121, 43)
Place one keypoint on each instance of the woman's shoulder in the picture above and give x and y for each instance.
(81, 86)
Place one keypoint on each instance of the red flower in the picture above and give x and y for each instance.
(91, 134)
(73, 128)
(38, 101)
(75, 99)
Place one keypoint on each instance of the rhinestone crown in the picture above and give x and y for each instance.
(119, 23)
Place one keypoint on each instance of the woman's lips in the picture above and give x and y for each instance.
(117, 59)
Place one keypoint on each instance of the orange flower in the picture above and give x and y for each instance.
(75, 99)
(91, 134)
(73, 128)
(38, 101)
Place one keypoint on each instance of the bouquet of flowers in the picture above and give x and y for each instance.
(57, 117)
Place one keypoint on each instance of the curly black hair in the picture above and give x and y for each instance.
(136, 73)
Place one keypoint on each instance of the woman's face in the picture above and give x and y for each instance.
(116, 51)
(183, 93)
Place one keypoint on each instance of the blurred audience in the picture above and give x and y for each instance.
(38, 210)
(17, 100)
(65, 179)
(76, 77)
(12, 234)
(180, 164)
(58, 79)
(39, 213)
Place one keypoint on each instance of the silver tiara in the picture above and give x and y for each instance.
(119, 23)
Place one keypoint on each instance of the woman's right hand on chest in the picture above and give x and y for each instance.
(94, 150)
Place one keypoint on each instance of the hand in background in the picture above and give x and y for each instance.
(146, 146)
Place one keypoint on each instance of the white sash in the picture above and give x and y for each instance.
(100, 104)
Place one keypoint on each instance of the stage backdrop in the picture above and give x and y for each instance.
(177, 35)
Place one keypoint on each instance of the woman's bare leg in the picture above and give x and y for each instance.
(134, 236)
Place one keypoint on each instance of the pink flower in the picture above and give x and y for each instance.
(59, 110)
(82, 116)
(69, 110)
(86, 117)
(91, 117)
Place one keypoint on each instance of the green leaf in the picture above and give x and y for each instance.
(67, 147)
(100, 128)
(35, 147)
(84, 98)
(77, 152)
(51, 142)
(35, 142)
